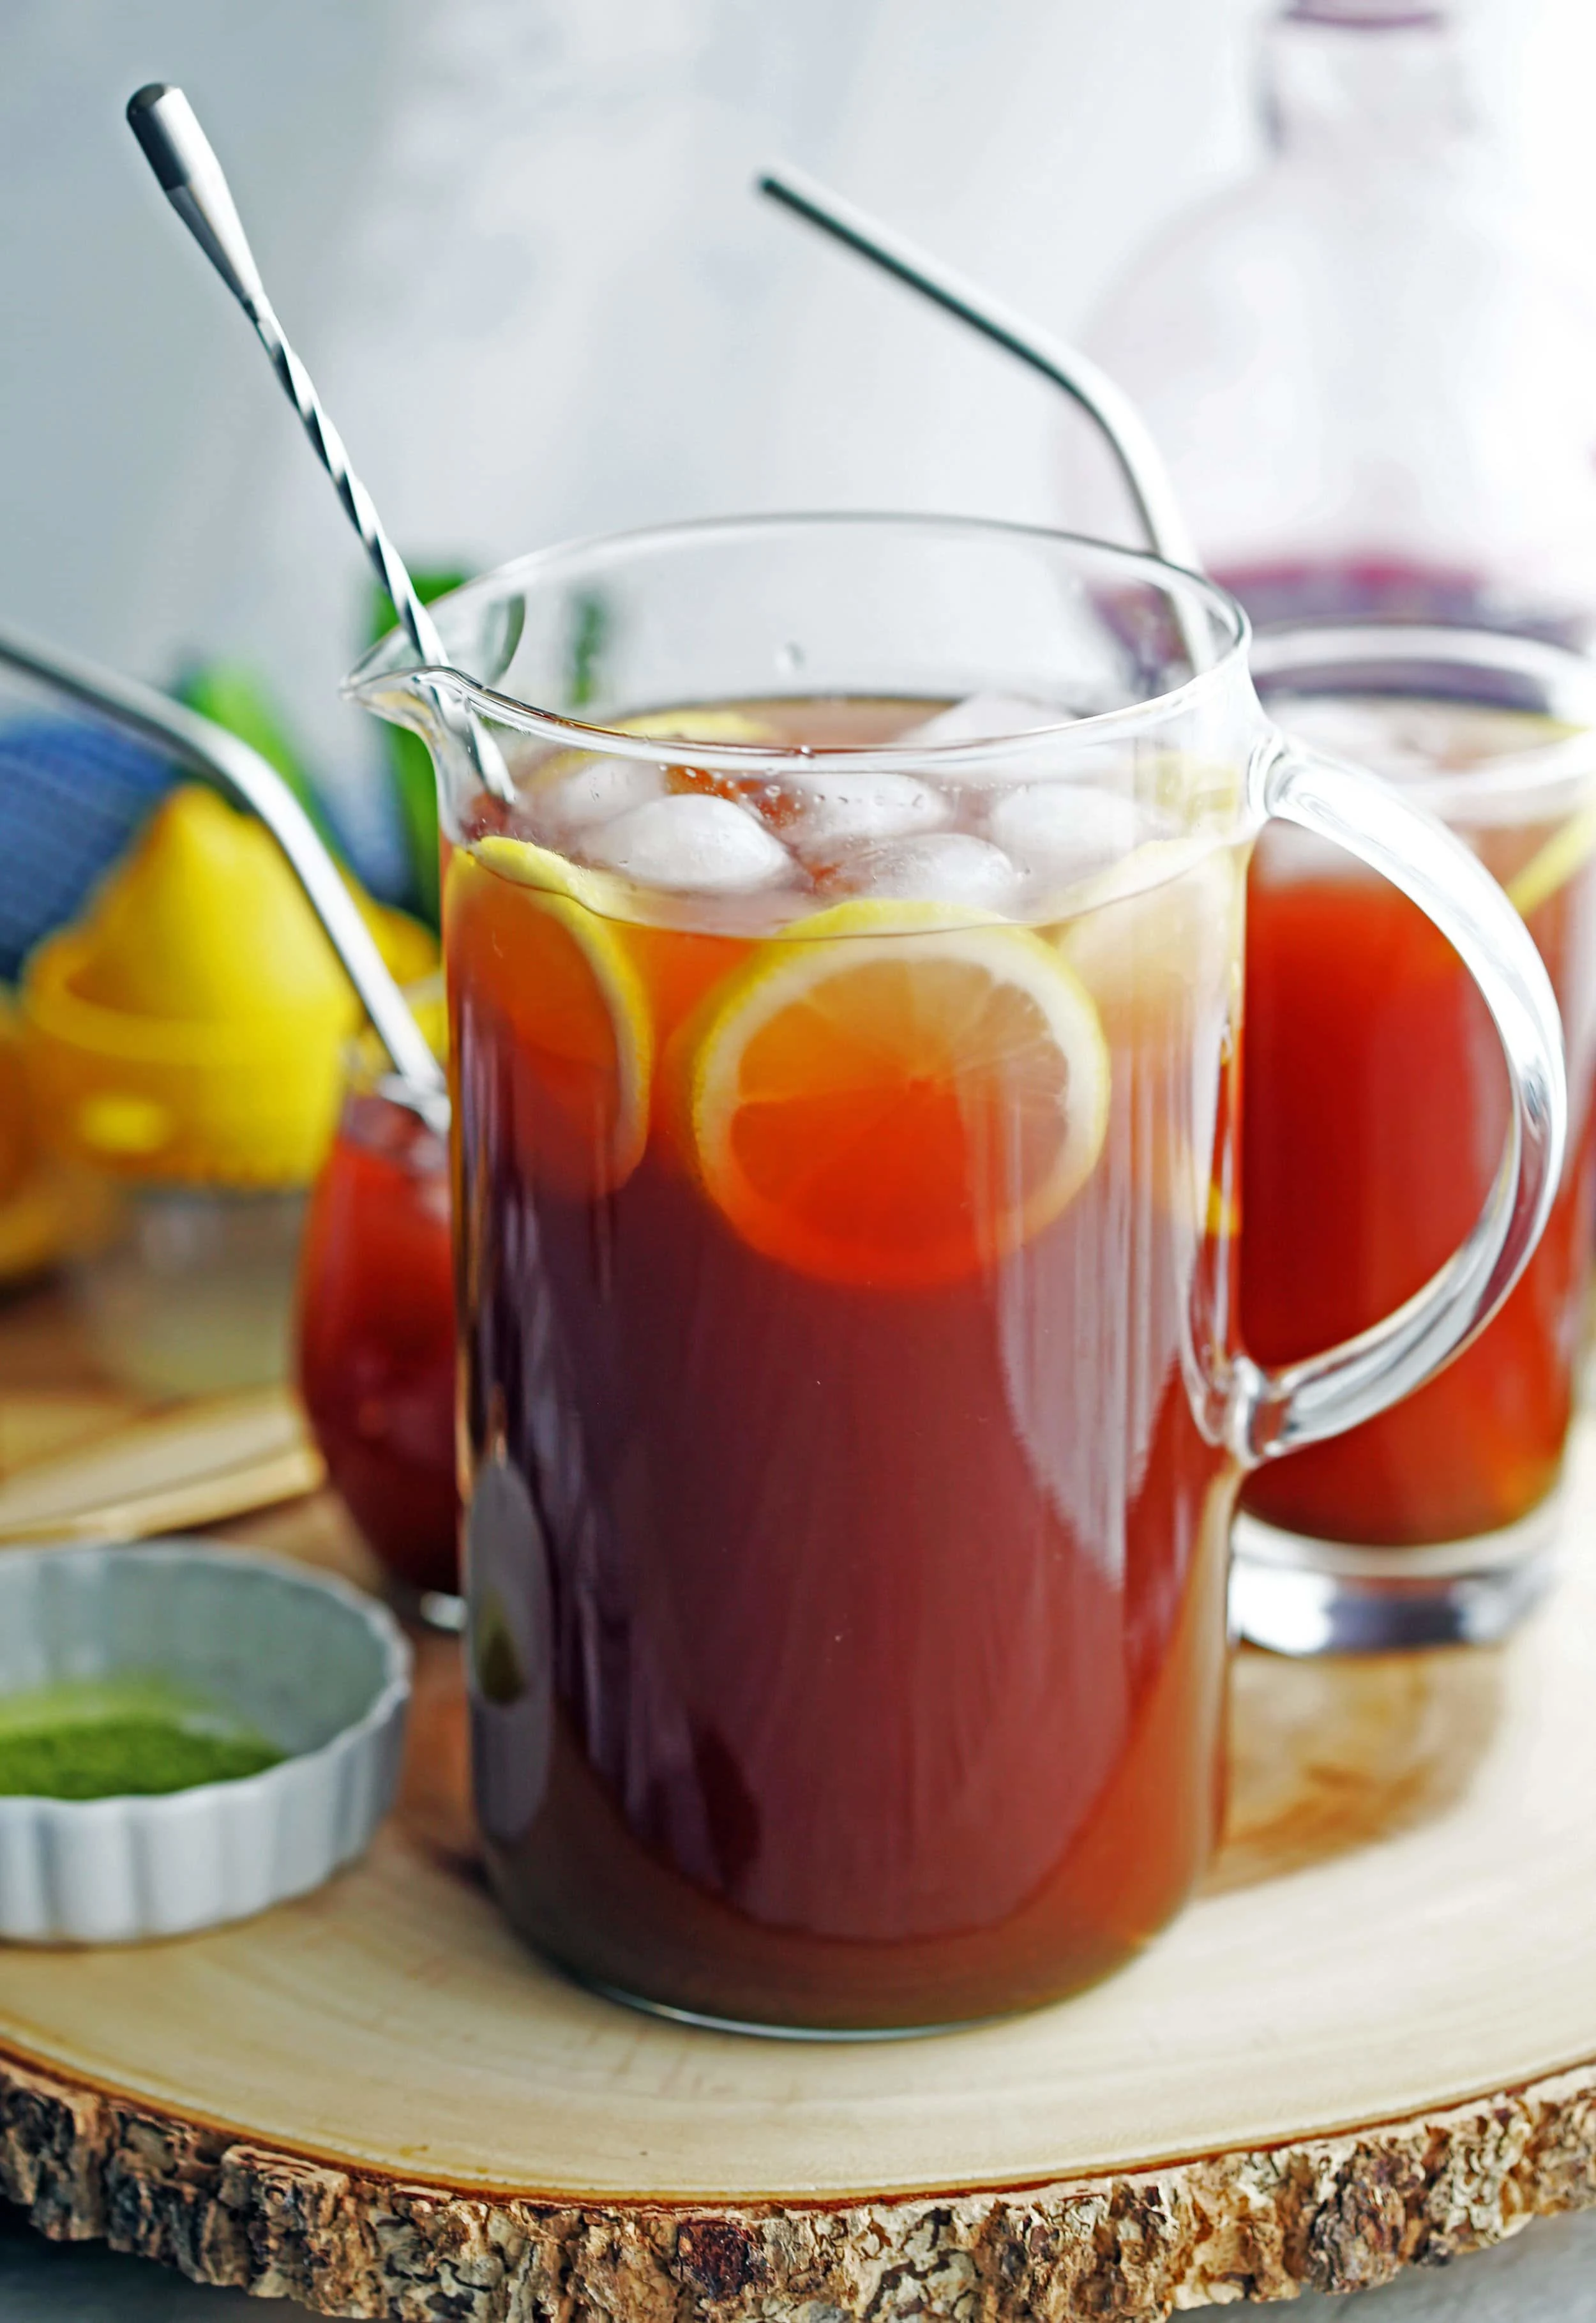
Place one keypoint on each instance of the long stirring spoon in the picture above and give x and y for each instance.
(190, 176)
(1122, 426)
(209, 749)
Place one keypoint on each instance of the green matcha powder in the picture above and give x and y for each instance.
(120, 1739)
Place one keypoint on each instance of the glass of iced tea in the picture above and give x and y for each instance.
(375, 1333)
(1376, 1103)
(843, 927)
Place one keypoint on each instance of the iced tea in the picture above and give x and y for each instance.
(376, 1352)
(844, 1074)
(1376, 1109)
(847, 1565)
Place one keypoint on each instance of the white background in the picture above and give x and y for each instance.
(515, 241)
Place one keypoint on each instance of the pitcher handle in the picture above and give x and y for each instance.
(1276, 1408)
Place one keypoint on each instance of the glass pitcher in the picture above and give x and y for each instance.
(843, 924)
(1374, 1113)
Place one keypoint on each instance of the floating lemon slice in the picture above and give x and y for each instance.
(721, 725)
(530, 865)
(897, 1093)
(1157, 939)
(1568, 850)
(529, 943)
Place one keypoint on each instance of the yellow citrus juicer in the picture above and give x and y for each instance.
(190, 1027)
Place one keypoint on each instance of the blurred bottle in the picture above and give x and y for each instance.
(1375, 384)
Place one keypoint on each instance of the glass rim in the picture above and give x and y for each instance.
(1311, 647)
(392, 659)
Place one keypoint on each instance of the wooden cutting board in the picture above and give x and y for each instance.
(1371, 2041)
(81, 1459)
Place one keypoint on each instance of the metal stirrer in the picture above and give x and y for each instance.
(178, 151)
(209, 749)
(1125, 431)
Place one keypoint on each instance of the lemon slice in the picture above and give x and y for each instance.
(1197, 792)
(1157, 938)
(530, 865)
(897, 1094)
(721, 725)
(1553, 864)
(532, 950)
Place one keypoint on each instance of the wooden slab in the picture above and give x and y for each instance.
(164, 1472)
(1372, 2040)
(83, 1459)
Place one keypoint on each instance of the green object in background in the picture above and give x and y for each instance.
(232, 697)
(410, 764)
(590, 635)
(121, 1737)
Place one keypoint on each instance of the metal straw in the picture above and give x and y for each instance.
(209, 749)
(1122, 426)
(1118, 421)
(178, 151)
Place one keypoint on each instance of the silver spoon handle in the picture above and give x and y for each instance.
(1125, 431)
(418, 624)
(180, 154)
(209, 749)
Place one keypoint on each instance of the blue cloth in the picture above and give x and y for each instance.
(72, 794)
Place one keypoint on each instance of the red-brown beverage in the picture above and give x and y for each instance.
(847, 1563)
(376, 1336)
(1376, 1110)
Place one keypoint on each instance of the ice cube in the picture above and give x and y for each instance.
(595, 792)
(1062, 832)
(693, 842)
(943, 866)
(834, 809)
(985, 718)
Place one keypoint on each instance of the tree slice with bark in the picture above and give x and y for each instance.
(1370, 2042)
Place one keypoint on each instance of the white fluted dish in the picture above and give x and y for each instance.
(320, 1670)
